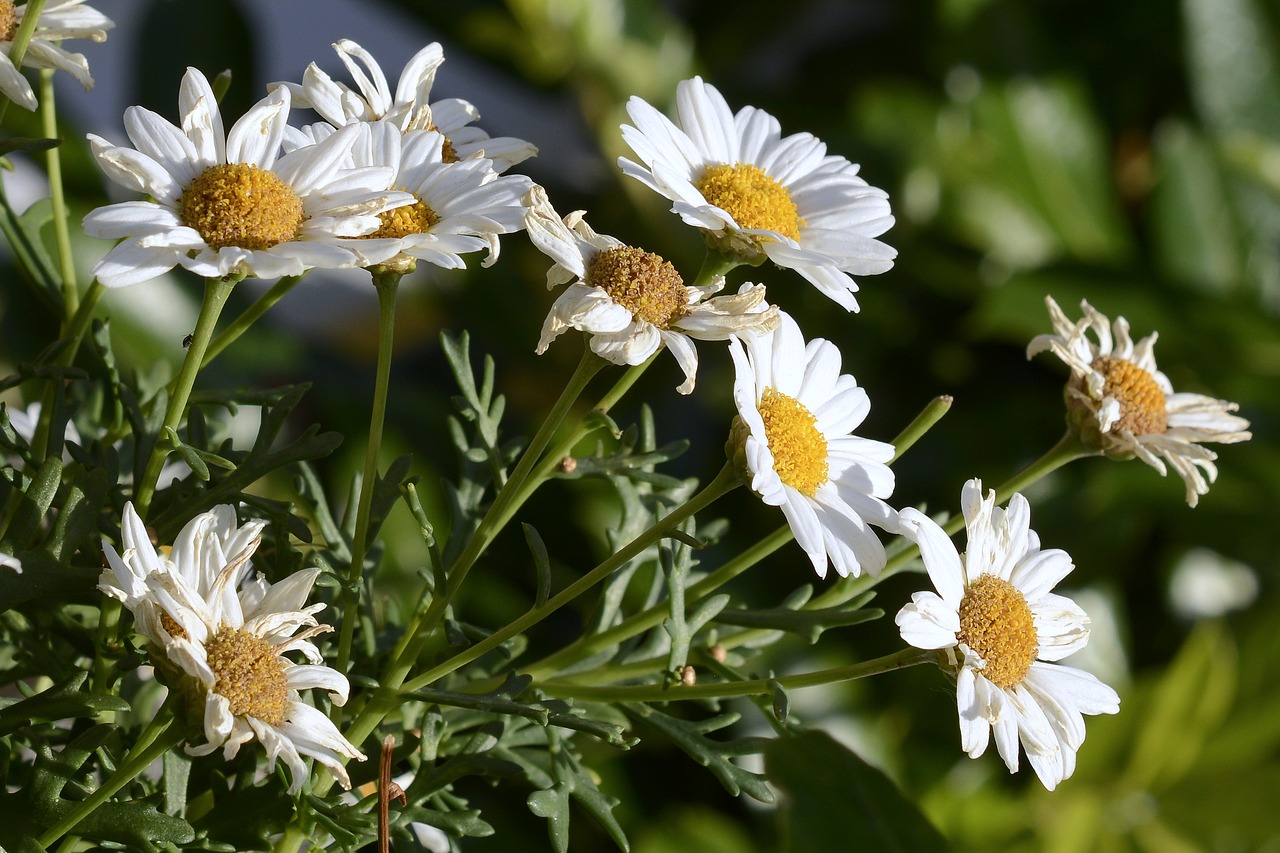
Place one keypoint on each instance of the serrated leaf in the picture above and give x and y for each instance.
(832, 794)
(714, 755)
(62, 701)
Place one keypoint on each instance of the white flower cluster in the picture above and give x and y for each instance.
(383, 182)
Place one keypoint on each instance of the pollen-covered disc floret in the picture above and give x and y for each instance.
(756, 193)
(409, 108)
(456, 209)
(798, 412)
(227, 203)
(995, 612)
(630, 301)
(59, 20)
(1119, 402)
(220, 638)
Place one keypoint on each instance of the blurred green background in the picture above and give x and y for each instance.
(1127, 153)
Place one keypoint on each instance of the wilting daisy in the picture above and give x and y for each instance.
(1122, 404)
(60, 20)
(223, 639)
(757, 193)
(457, 207)
(994, 609)
(409, 109)
(632, 302)
(799, 411)
(225, 203)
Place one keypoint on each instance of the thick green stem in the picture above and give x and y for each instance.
(922, 423)
(53, 165)
(240, 324)
(726, 480)
(386, 285)
(503, 506)
(721, 690)
(715, 264)
(159, 735)
(1068, 449)
(216, 291)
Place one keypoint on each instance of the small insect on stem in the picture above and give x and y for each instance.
(186, 342)
(387, 791)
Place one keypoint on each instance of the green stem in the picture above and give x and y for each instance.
(721, 690)
(252, 314)
(159, 735)
(651, 618)
(1068, 449)
(216, 291)
(921, 424)
(714, 264)
(726, 480)
(74, 333)
(386, 284)
(53, 165)
(503, 506)
(18, 45)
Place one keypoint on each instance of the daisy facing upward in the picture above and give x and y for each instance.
(796, 416)
(756, 193)
(1004, 631)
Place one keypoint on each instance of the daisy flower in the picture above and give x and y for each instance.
(223, 638)
(60, 20)
(797, 413)
(1120, 403)
(409, 109)
(225, 203)
(457, 207)
(994, 612)
(633, 302)
(756, 193)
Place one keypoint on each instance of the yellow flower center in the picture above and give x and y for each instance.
(448, 153)
(996, 622)
(416, 218)
(250, 674)
(642, 282)
(171, 625)
(799, 448)
(751, 197)
(1142, 403)
(8, 20)
(235, 204)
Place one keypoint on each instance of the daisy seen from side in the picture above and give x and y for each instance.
(632, 302)
(796, 416)
(227, 203)
(221, 637)
(59, 20)
(1119, 402)
(1003, 631)
(408, 108)
(756, 193)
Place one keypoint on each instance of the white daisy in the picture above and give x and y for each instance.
(632, 302)
(224, 640)
(994, 608)
(799, 411)
(60, 20)
(457, 207)
(758, 194)
(410, 107)
(223, 203)
(1119, 402)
